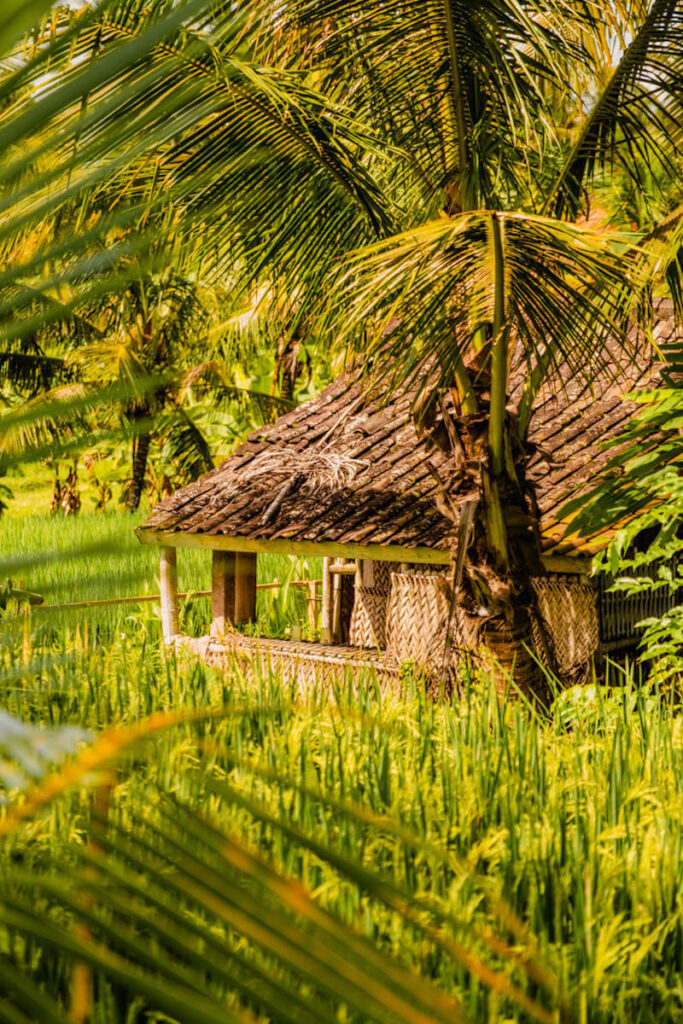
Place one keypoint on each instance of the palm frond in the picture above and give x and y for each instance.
(173, 907)
(212, 379)
(424, 295)
(168, 79)
(32, 372)
(639, 113)
(458, 87)
(185, 446)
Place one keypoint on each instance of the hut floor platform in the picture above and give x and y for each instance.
(303, 661)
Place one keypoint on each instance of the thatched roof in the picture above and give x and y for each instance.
(345, 470)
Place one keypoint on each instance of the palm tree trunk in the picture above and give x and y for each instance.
(496, 598)
(141, 445)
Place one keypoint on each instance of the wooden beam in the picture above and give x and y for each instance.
(245, 587)
(376, 552)
(168, 580)
(329, 549)
(222, 591)
(567, 564)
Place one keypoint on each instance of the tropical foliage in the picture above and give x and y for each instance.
(638, 502)
(329, 177)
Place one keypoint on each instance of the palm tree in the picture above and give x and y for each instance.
(439, 142)
(120, 127)
(144, 357)
(484, 287)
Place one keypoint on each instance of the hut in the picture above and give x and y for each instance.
(348, 478)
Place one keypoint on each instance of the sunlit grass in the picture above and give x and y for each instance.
(573, 820)
(97, 556)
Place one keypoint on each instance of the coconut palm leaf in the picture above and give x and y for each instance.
(31, 371)
(565, 293)
(212, 379)
(459, 86)
(185, 446)
(638, 114)
(68, 418)
(173, 907)
(665, 244)
(27, 1002)
(173, 80)
(28, 754)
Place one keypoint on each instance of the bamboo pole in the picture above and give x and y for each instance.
(312, 603)
(168, 578)
(326, 618)
(103, 602)
(336, 604)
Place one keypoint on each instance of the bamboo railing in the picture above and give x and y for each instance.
(312, 599)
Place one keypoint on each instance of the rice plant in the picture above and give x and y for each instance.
(230, 848)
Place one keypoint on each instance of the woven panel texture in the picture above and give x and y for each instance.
(569, 609)
(369, 617)
(417, 616)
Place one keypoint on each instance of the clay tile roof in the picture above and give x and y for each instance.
(346, 469)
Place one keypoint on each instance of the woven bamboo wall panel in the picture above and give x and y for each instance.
(619, 614)
(417, 616)
(369, 617)
(569, 609)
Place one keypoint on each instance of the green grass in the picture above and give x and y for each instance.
(573, 820)
(97, 555)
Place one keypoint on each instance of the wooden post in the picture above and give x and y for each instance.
(168, 578)
(312, 603)
(245, 588)
(222, 590)
(326, 617)
(336, 603)
(366, 572)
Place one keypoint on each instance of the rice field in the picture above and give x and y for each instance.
(498, 864)
(97, 556)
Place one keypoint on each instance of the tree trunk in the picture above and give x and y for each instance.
(496, 551)
(502, 550)
(287, 368)
(141, 445)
